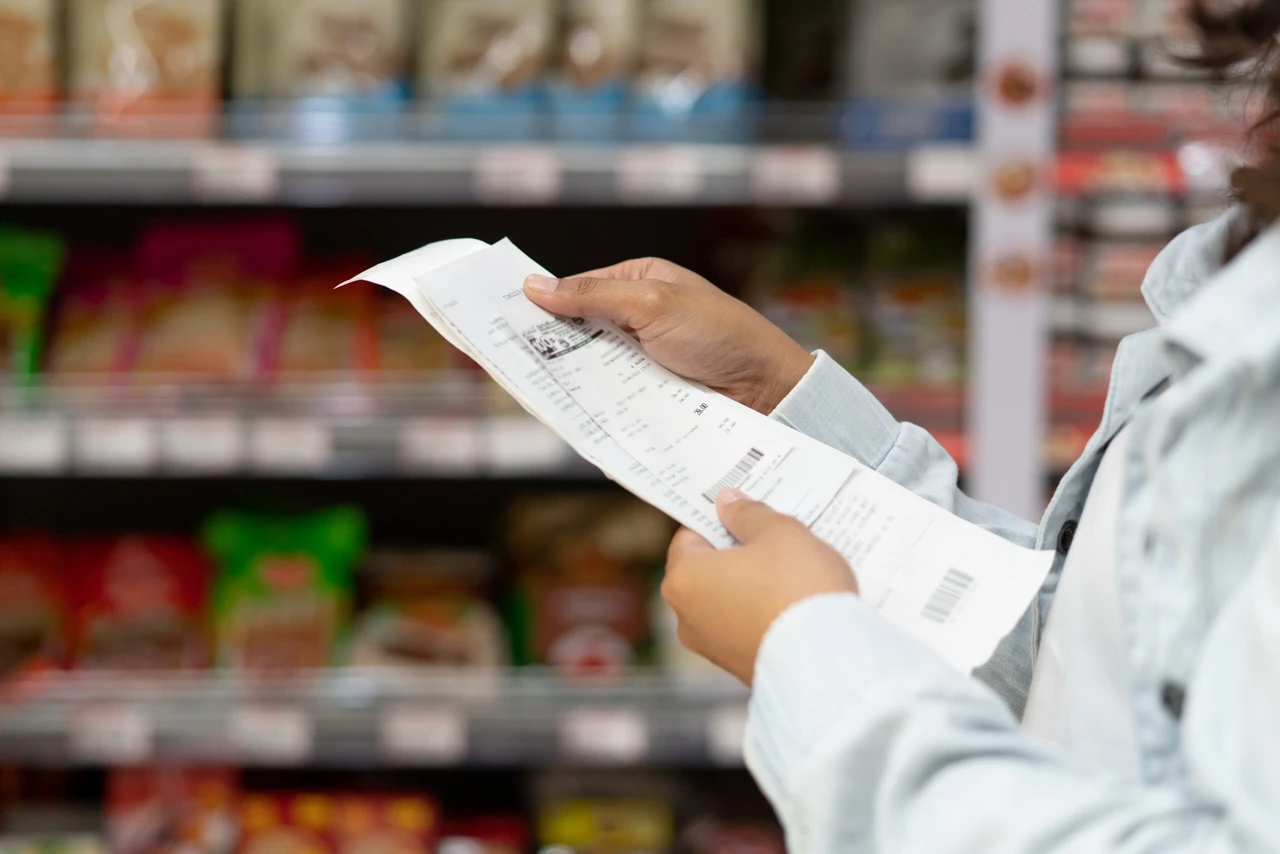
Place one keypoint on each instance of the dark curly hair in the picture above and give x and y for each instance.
(1246, 36)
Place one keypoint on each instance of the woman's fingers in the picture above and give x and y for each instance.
(625, 302)
(748, 520)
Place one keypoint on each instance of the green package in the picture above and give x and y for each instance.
(282, 599)
(29, 267)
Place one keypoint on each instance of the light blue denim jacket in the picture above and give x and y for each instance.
(865, 741)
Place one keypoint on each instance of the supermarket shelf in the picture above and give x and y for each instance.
(436, 427)
(202, 172)
(363, 718)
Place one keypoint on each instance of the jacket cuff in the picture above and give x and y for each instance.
(831, 661)
(830, 405)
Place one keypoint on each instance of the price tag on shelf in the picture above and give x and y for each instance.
(797, 174)
(290, 446)
(430, 735)
(668, 173)
(518, 175)
(524, 445)
(118, 445)
(442, 445)
(33, 444)
(111, 735)
(726, 734)
(614, 736)
(271, 735)
(207, 444)
(941, 173)
(235, 173)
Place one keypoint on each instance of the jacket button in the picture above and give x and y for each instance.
(1173, 696)
(1066, 537)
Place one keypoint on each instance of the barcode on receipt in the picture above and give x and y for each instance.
(737, 475)
(947, 596)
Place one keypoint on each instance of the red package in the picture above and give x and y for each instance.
(137, 603)
(31, 601)
(486, 835)
(95, 323)
(208, 289)
(1120, 172)
(172, 810)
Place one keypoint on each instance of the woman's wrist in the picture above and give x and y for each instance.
(782, 379)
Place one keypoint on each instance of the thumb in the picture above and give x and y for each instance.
(747, 520)
(626, 303)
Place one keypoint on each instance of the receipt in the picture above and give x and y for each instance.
(676, 444)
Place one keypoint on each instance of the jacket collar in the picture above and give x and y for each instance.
(1236, 311)
(1189, 261)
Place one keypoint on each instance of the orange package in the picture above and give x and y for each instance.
(324, 329)
(337, 824)
(31, 601)
(95, 321)
(28, 57)
(407, 344)
(172, 810)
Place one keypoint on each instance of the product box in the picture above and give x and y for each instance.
(583, 564)
(156, 63)
(29, 266)
(344, 50)
(337, 824)
(283, 594)
(172, 810)
(485, 63)
(698, 67)
(28, 58)
(427, 609)
(32, 602)
(597, 60)
(138, 603)
(323, 330)
(95, 324)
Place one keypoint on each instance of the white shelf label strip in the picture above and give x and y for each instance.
(271, 734)
(518, 174)
(112, 735)
(33, 444)
(606, 735)
(435, 735)
(235, 173)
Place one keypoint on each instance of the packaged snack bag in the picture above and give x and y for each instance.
(385, 824)
(607, 825)
(32, 601)
(146, 57)
(28, 57)
(205, 314)
(698, 59)
(581, 598)
(286, 824)
(95, 325)
(408, 346)
(922, 48)
(283, 595)
(487, 57)
(172, 810)
(325, 330)
(597, 57)
(29, 266)
(344, 49)
(138, 603)
(426, 609)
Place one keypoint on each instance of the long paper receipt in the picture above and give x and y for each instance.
(677, 444)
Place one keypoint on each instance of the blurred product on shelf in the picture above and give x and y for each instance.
(583, 565)
(598, 51)
(323, 330)
(146, 58)
(407, 346)
(284, 589)
(1113, 272)
(607, 825)
(427, 609)
(941, 57)
(712, 835)
(487, 57)
(699, 59)
(322, 823)
(32, 603)
(152, 810)
(137, 603)
(93, 327)
(485, 835)
(29, 267)
(53, 844)
(28, 57)
(337, 50)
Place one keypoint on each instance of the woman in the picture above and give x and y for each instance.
(1152, 716)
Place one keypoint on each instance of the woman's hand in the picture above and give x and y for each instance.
(687, 325)
(727, 600)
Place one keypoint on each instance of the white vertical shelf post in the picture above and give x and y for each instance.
(1011, 252)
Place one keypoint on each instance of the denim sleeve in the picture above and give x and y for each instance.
(830, 405)
(883, 748)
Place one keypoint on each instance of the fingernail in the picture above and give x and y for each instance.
(729, 496)
(542, 284)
